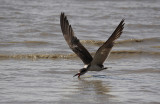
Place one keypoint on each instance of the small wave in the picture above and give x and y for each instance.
(142, 71)
(45, 34)
(135, 52)
(38, 42)
(140, 40)
(2, 18)
(155, 46)
(69, 56)
(143, 26)
(32, 42)
(108, 77)
(93, 42)
(36, 56)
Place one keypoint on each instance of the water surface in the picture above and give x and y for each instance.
(36, 64)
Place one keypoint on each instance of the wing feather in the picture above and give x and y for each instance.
(103, 52)
(73, 42)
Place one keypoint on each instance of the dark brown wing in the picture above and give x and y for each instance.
(103, 52)
(72, 40)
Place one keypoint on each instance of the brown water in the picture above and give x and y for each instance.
(36, 65)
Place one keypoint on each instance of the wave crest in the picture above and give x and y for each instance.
(69, 56)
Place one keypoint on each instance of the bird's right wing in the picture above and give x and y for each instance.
(103, 52)
(72, 40)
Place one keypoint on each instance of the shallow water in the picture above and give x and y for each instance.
(36, 65)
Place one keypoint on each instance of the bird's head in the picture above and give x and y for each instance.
(81, 72)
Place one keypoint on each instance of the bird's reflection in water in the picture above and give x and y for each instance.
(95, 89)
(90, 90)
(94, 86)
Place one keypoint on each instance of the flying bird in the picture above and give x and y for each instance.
(90, 63)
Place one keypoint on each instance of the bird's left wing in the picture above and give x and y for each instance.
(103, 52)
(72, 40)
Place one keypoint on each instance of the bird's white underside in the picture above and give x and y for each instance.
(85, 66)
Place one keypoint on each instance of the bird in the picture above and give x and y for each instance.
(90, 63)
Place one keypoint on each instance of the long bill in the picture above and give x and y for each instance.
(78, 74)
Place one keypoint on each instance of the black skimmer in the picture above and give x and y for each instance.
(90, 64)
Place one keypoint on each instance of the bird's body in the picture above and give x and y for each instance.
(95, 68)
(91, 63)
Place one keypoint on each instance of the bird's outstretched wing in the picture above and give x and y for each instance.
(103, 52)
(72, 40)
